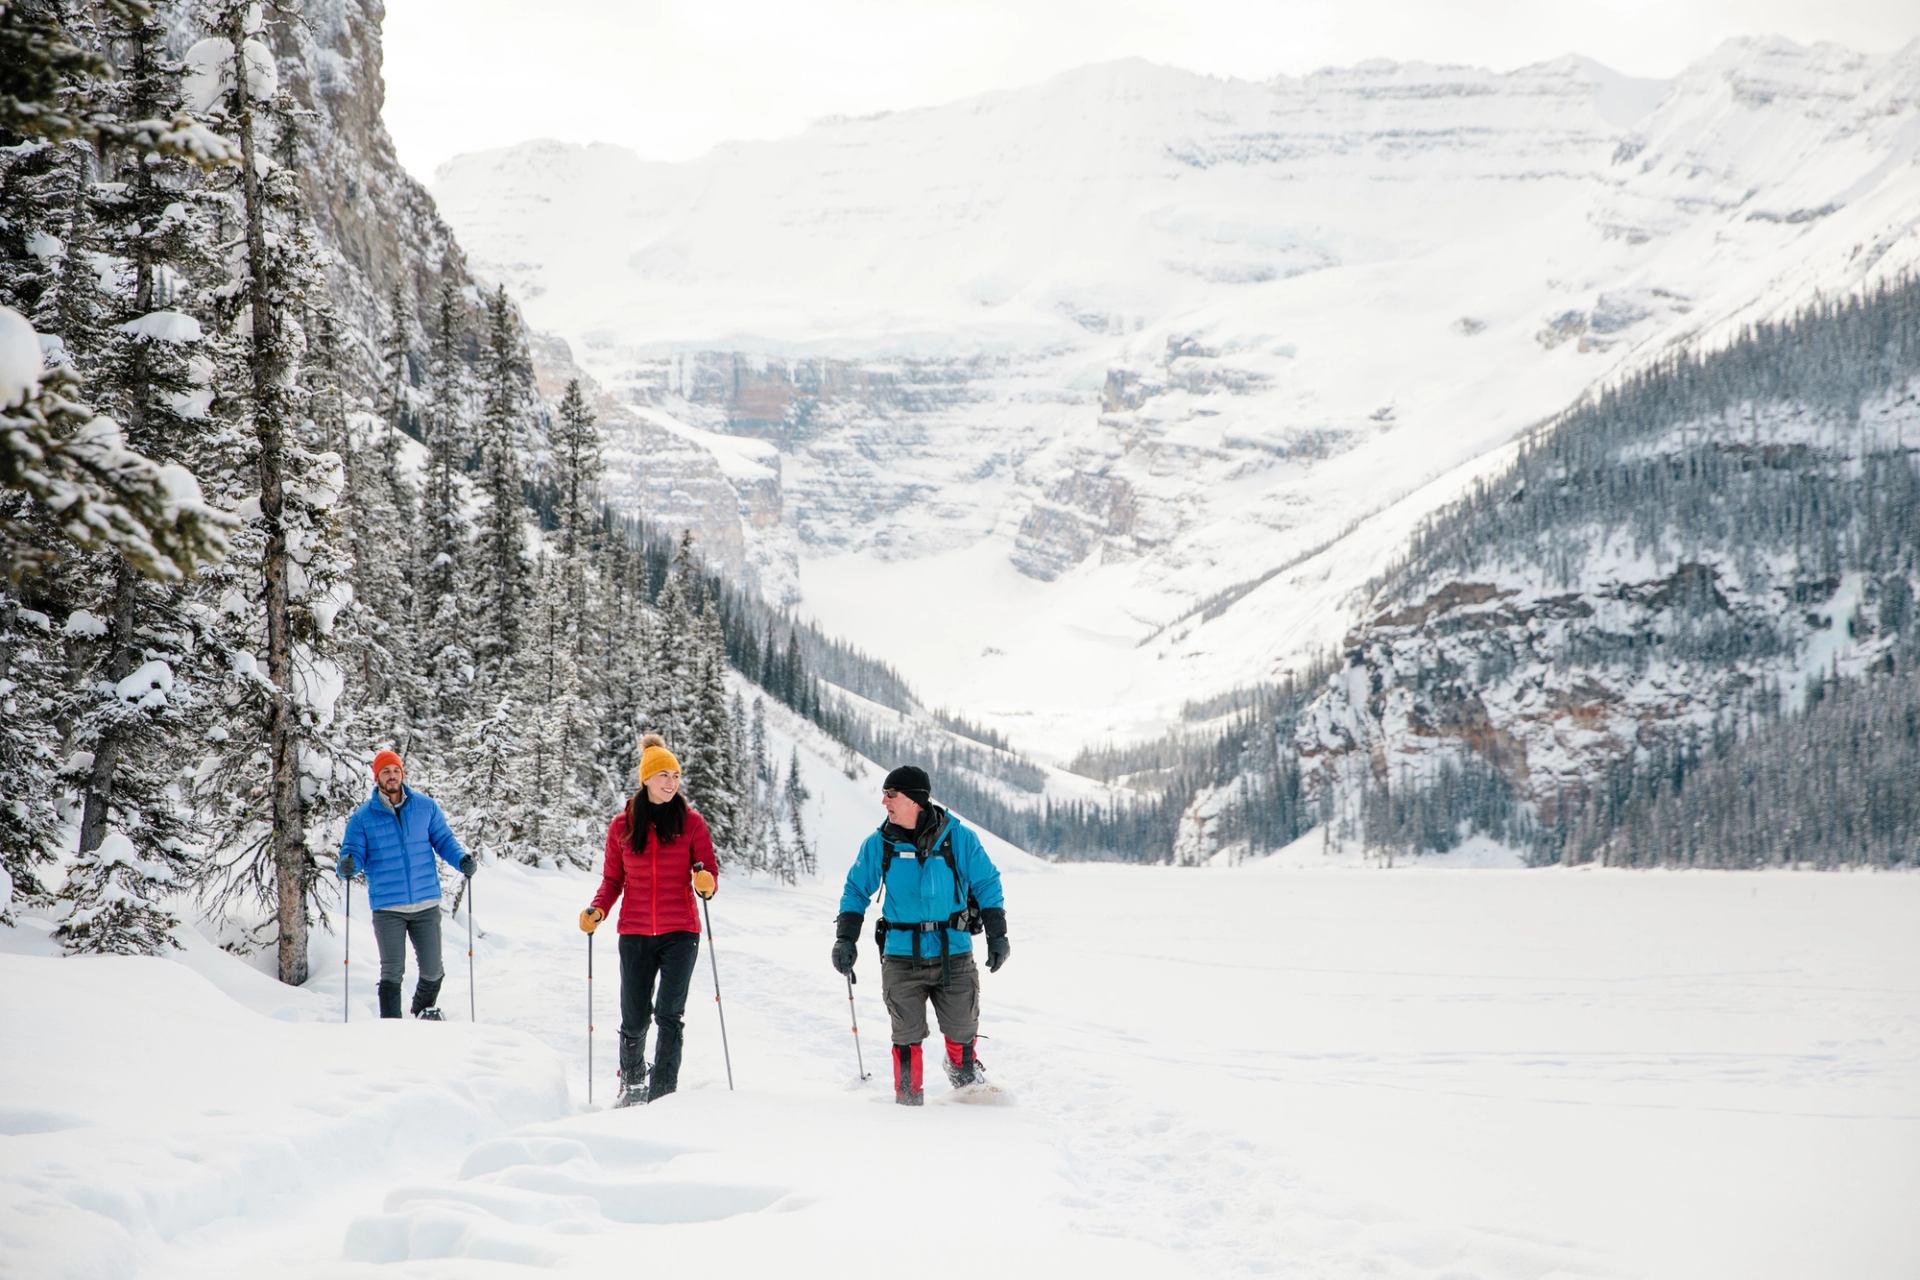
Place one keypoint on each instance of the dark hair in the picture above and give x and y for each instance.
(670, 819)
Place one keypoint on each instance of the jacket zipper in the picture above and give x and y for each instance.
(401, 828)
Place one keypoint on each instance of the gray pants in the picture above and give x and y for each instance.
(908, 984)
(392, 929)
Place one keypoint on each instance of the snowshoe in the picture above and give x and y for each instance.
(963, 1069)
(633, 1090)
(430, 1014)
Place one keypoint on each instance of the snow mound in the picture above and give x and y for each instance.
(164, 326)
(176, 1108)
(19, 359)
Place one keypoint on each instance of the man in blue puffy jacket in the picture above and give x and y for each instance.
(936, 874)
(393, 838)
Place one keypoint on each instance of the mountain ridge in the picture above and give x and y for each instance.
(1106, 355)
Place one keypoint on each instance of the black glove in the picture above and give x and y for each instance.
(344, 866)
(998, 948)
(846, 928)
(466, 864)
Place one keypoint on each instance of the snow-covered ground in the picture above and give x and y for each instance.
(1220, 1072)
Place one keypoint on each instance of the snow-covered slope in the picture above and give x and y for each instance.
(1135, 349)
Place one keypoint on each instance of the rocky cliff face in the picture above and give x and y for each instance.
(381, 222)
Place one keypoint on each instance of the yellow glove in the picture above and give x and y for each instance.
(703, 883)
(590, 919)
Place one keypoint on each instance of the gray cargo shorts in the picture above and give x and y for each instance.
(907, 984)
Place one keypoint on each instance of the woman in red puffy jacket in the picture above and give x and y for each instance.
(659, 854)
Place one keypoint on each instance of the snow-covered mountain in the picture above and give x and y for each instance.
(1658, 583)
(1137, 374)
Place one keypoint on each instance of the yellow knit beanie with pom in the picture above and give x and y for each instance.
(654, 757)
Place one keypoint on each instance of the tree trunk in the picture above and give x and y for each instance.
(98, 807)
(106, 754)
(288, 841)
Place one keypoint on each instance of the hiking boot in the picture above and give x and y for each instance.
(426, 994)
(633, 1090)
(964, 1077)
(963, 1068)
(633, 1073)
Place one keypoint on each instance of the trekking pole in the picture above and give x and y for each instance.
(346, 959)
(589, 1019)
(472, 1006)
(858, 1056)
(708, 913)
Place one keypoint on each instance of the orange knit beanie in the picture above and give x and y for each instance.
(654, 757)
(382, 759)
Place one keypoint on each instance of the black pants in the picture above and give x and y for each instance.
(645, 958)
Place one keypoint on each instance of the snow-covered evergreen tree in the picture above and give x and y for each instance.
(503, 574)
(576, 471)
(607, 672)
(567, 636)
(673, 677)
(45, 229)
(334, 741)
(794, 797)
(111, 892)
(95, 237)
(712, 775)
(753, 825)
(387, 691)
(561, 802)
(443, 615)
(134, 642)
(757, 743)
(396, 392)
(493, 794)
(29, 753)
(57, 455)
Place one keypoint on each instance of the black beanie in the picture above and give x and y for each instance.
(912, 782)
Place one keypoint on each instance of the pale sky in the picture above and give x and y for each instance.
(668, 79)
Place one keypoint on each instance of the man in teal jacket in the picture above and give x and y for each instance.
(936, 876)
(393, 837)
